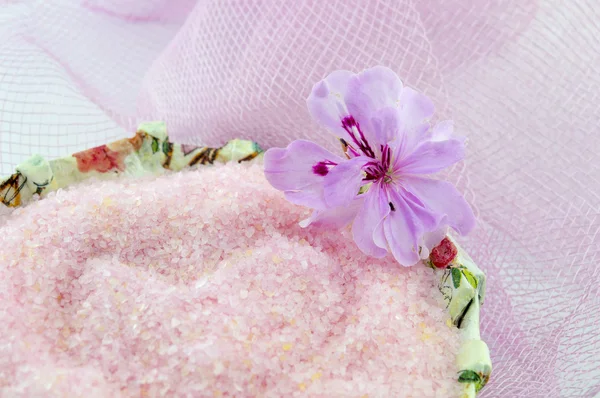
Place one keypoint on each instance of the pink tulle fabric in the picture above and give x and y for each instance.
(518, 77)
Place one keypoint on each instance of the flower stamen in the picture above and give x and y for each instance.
(348, 148)
(380, 169)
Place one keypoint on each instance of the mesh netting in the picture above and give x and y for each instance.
(519, 79)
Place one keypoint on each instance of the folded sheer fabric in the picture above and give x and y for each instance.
(519, 78)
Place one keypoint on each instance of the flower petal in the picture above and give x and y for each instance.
(342, 183)
(426, 220)
(415, 111)
(326, 101)
(431, 156)
(374, 88)
(443, 131)
(311, 196)
(368, 221)
(421, 226)
(433, 226)
(379, 236)
(415, 108)
(369, 92)
(337, 217)
(443, 198)
(293, 170)
(402, 231)
(386, 125)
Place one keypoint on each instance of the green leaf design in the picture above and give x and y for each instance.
(469, 376)
(166, 147)
(256, 148)
(456, 274)
(154, 145)
(469, 276)
(484, 379)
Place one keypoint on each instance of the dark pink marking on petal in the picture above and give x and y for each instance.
(322, 168)
(350, 124)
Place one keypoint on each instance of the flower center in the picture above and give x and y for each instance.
(380, 170)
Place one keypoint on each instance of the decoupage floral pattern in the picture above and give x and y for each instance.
(149, 151)
(462, 285)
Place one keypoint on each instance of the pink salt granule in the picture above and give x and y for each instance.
(201, 283)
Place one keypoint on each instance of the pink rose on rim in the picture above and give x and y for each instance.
(380, 185)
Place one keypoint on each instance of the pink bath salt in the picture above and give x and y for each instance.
(201, 283)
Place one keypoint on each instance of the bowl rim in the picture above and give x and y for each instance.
(149, 151)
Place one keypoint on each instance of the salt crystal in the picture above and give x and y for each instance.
(218, 368)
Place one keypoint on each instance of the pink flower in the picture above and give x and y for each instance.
(380, 185)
